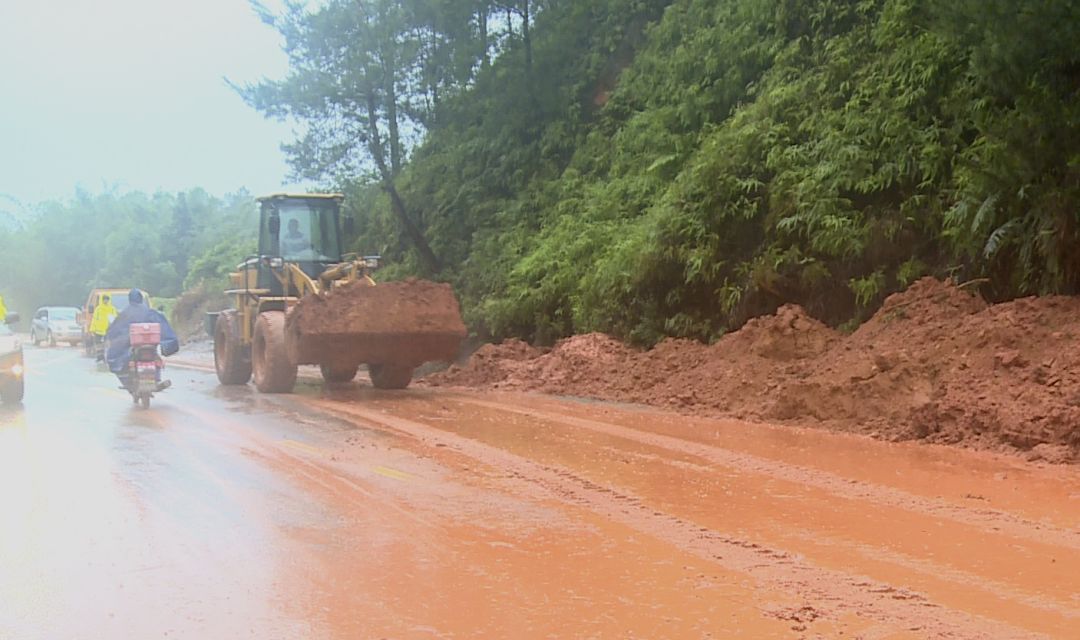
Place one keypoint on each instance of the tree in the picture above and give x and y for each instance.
(64, 249)
(357, 69)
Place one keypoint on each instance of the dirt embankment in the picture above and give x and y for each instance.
(935, 364)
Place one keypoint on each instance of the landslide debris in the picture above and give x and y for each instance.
(935, 363)
(410, 321)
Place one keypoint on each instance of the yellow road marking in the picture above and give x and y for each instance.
(392, 473)
(386, 472)
(302, 447)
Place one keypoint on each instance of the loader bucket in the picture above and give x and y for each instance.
(403, 323)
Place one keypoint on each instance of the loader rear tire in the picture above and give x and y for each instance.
(338, 374)
(273, 371)
(231, 359)
(390, 376)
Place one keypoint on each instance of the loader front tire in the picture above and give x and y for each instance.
(390, 376)
(273, 371)
(231, 359)
(335, 374)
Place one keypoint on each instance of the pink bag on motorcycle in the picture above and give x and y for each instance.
(145, 334)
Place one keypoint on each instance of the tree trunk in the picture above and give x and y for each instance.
(416, 236)
(388, 67)
(392, 125)
(434, 76)
(378, 153)
(485, 57)
(526, 39)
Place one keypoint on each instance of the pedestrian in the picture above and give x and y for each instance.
(103, 316)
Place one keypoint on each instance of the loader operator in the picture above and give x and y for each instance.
(119, 353)
(294, 241)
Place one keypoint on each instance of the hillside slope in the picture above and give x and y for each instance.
(675, 168)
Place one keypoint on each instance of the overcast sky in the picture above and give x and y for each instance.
(131, 94)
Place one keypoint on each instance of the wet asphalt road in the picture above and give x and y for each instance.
(351, 513)
(120, 522)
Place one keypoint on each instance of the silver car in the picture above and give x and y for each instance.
(11, 364)
(56, 324)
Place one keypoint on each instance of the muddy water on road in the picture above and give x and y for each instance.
(349, 513)
(906, 539)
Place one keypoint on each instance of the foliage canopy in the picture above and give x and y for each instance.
(163, 243)
(672, 167)
(647, 168)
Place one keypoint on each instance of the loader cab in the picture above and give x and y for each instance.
(303, 229)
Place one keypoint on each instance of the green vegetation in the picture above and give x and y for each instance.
(653, 168)
(649, 168)
(163, 243)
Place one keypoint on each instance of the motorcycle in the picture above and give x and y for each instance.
(144, 372)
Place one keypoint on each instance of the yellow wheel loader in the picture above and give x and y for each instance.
(302, 301)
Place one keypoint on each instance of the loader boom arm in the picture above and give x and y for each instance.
(292, 277)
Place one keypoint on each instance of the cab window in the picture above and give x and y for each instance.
(308, 233)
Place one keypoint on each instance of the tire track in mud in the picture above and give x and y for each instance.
(959, 576)
(831, 593)
(990, 519)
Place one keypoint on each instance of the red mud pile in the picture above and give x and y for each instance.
(408, 306)
(409, 322)
(935, 363)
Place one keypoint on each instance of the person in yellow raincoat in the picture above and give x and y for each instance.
(3, 310)
(104, 314)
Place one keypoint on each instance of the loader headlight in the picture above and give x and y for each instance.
(371, 262)
(17, 370)
(276, 262)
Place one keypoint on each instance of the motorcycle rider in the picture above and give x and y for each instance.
(119, 352)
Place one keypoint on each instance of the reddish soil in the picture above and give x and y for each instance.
(935, 363)
(408, 306)
(407, 322)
